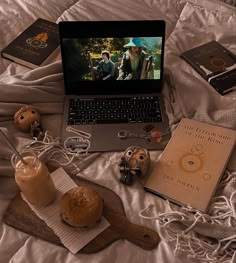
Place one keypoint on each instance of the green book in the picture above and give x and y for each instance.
(35, 46)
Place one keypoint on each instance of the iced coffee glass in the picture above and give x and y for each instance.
(33, 179)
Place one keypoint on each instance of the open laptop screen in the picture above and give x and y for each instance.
(112, 57)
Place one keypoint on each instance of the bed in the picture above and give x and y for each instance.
(189, 23)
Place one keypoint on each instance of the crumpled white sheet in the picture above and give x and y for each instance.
(187, 24)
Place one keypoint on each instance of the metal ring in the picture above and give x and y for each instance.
(122, 134)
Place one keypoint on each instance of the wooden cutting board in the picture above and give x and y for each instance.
(20, 216)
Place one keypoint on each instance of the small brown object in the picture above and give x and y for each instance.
(81, 207)
(24, 117)
(27, 119)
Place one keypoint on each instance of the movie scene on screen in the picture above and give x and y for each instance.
(127, 58)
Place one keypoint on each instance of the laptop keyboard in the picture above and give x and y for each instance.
(114, 110)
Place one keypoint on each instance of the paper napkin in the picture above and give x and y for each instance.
(72, 238)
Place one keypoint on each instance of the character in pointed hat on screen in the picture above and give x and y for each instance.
(132, 61)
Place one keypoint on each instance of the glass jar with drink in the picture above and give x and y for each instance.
(33, 178)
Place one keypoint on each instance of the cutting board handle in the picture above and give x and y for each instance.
(141, 236)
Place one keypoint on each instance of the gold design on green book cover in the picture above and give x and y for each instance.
(39, 41)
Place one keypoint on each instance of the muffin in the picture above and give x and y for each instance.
(81, 207)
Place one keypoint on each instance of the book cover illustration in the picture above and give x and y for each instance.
(192, 163)
(33, 46)
(214, 63)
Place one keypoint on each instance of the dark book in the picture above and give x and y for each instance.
(191, 166)
(35, 46)
(214, 63)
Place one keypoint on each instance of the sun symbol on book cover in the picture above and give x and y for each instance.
(192, 161)
(38, 41)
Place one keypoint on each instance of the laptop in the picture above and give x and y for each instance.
(113, 73)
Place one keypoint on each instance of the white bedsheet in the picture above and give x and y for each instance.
(186, 94)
